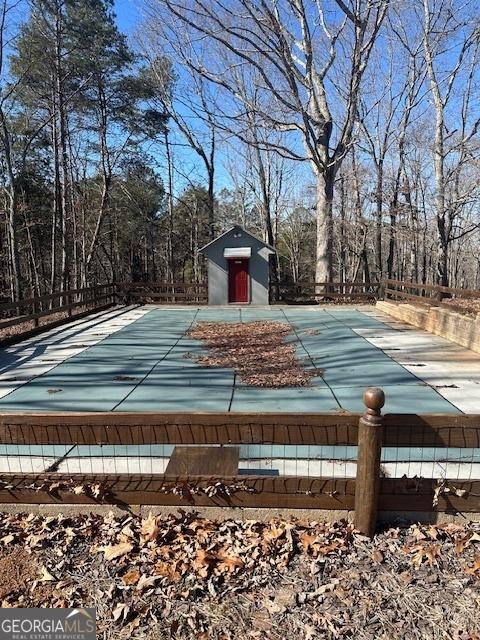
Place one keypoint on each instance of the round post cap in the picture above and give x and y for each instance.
(374, 399)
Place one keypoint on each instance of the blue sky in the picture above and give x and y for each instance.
(127, 15)
(129, 18)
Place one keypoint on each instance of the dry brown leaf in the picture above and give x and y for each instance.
(228, 563)
(476, 566)
(146, 582)
(428, 552)
(117, 550)
(46, 576)
(273, 533)
(202, 562)
(120, 611)
(168, 570)
(131, 577)
(307, 540)
(377, 556)
(149, 529)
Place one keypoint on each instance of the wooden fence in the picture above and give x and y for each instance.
(164, 292)
(421, 293)
(56, 308)
(94, 298)
(307, 292)
(367, 494)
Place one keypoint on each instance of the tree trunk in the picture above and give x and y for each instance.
(170, 257)
(343, 235)
(379, 222)
(323, 266)
(56, 203)
(13, 245)
(62, 154)
(210, 166)
(11, 212)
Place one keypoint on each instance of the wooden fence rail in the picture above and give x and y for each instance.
(367, 494)
(33, 309)
(97, 428)
(307, 291)
(164, 292)
(430, 294)
(51, 307)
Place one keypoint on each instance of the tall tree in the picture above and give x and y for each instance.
(10, 186)
(451, 48)
(300, 72)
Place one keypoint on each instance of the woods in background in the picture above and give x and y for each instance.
(344, 132)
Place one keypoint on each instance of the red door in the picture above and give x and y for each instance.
(238, 280)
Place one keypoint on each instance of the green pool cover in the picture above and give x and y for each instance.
(147, 366)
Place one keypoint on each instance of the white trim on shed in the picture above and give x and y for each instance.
(237, 252)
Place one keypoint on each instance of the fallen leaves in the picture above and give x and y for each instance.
(98, 492)
(468, 306)
(131, 577)
(424, 553)
(195, 578)
(475, 569)
(17, 569)
(444, 487)
(257, 351)
(117, 550)
(149, 529)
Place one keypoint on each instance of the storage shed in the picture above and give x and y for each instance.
(238, 268)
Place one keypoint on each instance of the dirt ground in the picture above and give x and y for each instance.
(185, 577)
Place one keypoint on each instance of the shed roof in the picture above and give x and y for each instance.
(236, 226)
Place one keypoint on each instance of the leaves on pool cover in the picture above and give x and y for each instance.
(257, 351)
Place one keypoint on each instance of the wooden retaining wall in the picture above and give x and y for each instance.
(456, 327)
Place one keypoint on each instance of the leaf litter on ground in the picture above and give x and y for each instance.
(183, 576)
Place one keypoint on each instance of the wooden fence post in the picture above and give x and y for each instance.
(35, 310)
(381, 290)
(368, 461)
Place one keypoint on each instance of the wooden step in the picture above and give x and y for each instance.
(203, 461)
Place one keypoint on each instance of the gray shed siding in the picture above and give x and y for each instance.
(258, 267)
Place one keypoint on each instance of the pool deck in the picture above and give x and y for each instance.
(140, 359)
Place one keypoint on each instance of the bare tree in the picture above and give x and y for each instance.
(451, 48)
(307, 90)
(10, 187)
(187, 102)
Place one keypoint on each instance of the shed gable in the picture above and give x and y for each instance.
(237, 238)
